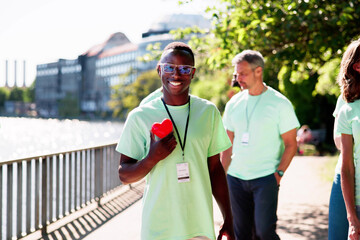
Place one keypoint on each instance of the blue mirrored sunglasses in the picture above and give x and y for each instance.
(170, 68)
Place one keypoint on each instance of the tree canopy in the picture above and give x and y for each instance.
(4, 95)
(126, 97)
(302, 42)
(286, 31)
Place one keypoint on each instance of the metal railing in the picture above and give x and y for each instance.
(37, 191)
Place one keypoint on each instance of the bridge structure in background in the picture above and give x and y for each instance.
(37, 192)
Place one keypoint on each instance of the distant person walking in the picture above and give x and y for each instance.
(182, 170)
(304, 135)
(349, 127)
(261, 124)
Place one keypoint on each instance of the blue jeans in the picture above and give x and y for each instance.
(338, 223)
(254, 206)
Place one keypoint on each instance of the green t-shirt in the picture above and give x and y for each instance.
(269, 115)
(155, 94)
(173, 210)
(339, 103)
(349, 123)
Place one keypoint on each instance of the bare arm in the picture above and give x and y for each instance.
(290, 143)
(348, 184)
(220, 191)
(337, 138)
(226, 155)
(131, 170)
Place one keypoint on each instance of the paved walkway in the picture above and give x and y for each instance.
(302, 212)
(304, 200)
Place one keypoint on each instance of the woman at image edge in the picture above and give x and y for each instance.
(349, 127)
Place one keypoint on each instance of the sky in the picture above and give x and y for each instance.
(42, 31)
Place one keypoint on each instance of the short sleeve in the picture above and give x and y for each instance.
(288, 119)
(343, 124)
(339, 103)
(226, 118)
(219, 139)
(132, 142)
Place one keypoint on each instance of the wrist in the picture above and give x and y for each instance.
(280, 173)
(352, 219)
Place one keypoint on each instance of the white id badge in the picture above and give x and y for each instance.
(245, 138)
(183, 173)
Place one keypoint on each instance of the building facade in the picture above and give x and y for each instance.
(88, 79)
(91, 77)
(113, 67)
(55, 81)
(159, 32)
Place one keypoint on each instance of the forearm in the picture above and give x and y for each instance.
(135, 171)
(336, 137)
(287, 156)
(225, 156)
(226, 159)
(348, 176)
(132, 170)
(348, 189)
(337, 141)
(220, 191)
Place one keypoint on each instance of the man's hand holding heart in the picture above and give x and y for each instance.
(162, 129)
(166, 144)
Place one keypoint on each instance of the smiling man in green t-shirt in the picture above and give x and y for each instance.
(183, 169)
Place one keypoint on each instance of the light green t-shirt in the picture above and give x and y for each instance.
(173, 210)
(349, 123)
(270, 115)
(155, 94)
(339, 103)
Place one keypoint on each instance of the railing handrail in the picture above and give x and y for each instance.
(54, 154)
(51, 186)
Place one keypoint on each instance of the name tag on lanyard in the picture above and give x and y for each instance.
(245, 138)
(183, 173)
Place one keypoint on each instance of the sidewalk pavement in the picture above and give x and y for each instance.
(126, 226)
(302, 209)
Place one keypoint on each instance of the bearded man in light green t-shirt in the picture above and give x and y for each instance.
(261, 124)
(183, 169)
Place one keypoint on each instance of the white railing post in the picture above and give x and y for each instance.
(99, 178)
(44, 194)
(10, 204)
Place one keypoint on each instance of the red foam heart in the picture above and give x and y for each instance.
(162, 129)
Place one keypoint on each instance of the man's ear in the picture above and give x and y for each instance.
(258, 70)
(356, 67)
(158, 69)
(193, 72)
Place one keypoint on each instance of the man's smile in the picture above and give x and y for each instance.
(174, 83)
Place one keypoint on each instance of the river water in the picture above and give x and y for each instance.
(27, 137)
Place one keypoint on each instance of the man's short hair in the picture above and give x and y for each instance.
(254, 58)
(179, 46)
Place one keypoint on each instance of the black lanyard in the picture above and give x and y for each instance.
(186, 127)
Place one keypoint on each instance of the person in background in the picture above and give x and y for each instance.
(338, 224)
(261, 124)
(349, 127)
(304, 135)
(182, 170)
